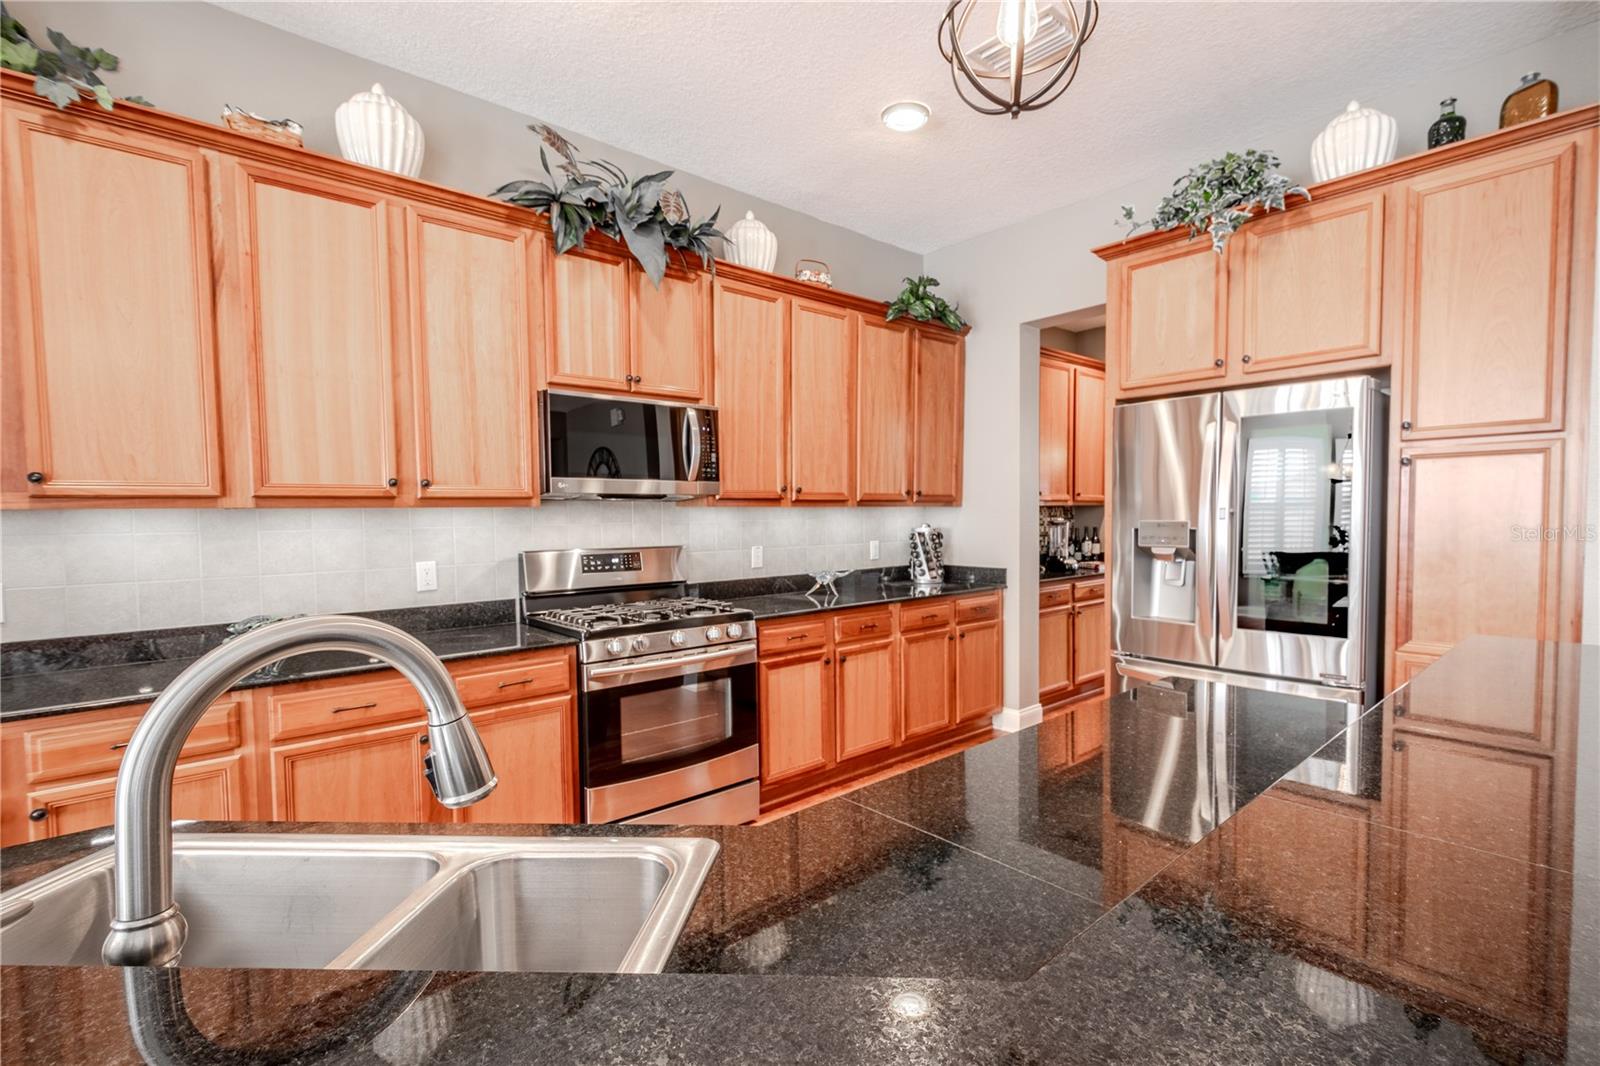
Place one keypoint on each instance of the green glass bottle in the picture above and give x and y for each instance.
(1449, 127)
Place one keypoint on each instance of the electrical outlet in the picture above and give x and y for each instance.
(872, 550)
(756, 562)
(427, 576)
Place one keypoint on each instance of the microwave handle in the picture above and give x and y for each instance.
(691, 430)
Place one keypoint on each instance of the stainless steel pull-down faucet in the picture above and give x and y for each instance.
(147, 929)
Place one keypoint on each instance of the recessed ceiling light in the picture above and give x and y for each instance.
(906, 116)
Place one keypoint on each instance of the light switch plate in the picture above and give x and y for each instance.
(756, 562)
(872, 550)
(427, 576)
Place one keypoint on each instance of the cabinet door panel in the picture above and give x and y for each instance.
(883, 412)
(1309, 285)
(118, 373)
(671, 327)
(821, 398)
(796, 716)
(1088, 436)
(977, 671)
(866, 702)
(927, 681)
(1489, 266)
(533, 747)
(202, 789)
(752, 334)
(1056, 456)
(1472, 555)
(938, 417)
(371, 776)
(473, 341)
(1302, 863)
(589, 338)
(1089, 650)
(322, 364)
(1171, 319)
(1055, 650)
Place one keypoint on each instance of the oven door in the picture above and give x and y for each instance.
(662, 729)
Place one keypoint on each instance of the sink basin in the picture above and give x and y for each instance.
(387, 902)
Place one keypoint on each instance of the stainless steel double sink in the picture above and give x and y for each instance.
(611, 905)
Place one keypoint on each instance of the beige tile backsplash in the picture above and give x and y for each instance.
(71, 572)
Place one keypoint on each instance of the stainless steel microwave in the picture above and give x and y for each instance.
(617, 447)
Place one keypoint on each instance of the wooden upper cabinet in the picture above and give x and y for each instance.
(822, 385)
(1088, 435)
(752, 349)
(866, 687)
(589, 311)
(1472, 557)
(670, 334)
(1055, 431)
(116, 368)
(1489, 269)
(883, 411)
(1308, 285)
(317, 282)
(939, 383)
(1169, 307)
(473, 350)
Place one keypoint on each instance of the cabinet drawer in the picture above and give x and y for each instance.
(978, 609)
(77, 749)
(927, 615)
(792, 636)
(1055, 597)
(1085, 591)
(326, 710)
(865, 626)
(516, 680)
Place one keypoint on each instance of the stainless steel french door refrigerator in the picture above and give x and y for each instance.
(1248, 533)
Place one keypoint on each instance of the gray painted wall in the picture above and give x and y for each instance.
(192, 58)
(1012, 278)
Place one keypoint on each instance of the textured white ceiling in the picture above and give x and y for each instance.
(781, 100)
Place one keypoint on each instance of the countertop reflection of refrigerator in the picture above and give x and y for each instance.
(1247, 531)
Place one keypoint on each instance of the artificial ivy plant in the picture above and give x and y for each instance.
(60, 76)
(917, 301)
(1220, 196)
(643, 213)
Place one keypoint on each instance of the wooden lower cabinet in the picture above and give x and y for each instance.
(202, 789)
(1072, 640)
(846, 694)
(866, 687)
(533, 746)
(369, 776)
(1055, 652)
(1089, 645)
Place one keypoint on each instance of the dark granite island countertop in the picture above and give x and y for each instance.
(995, 906)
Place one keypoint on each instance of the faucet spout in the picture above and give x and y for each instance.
(147, 928)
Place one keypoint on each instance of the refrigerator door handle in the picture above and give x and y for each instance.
(1226, 554)
(1205, 613)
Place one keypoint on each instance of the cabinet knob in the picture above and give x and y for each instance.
(426, 483)
(841, 660)
(35, 477)
(1216, 362)
(963, 636)
(784, 487)
(798, 490)
(1246, 359)
(1399, 745)
(393, 482)
(827, 662)
(38, 814)
(908, 494)
(1405, 460)
(423, 740)
(1405, 424)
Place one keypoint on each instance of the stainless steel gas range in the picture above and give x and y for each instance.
(668, 720)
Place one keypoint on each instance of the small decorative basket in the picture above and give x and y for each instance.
(814, 272)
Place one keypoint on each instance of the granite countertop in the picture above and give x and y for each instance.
(860, 589)
(1046, 580)
(995, 906)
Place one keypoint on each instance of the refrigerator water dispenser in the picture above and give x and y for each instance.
(1163, 577)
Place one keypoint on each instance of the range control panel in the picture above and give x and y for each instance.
(611, 563)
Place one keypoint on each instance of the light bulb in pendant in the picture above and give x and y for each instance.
(1017, 18)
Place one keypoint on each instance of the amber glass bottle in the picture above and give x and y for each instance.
(1534, 98)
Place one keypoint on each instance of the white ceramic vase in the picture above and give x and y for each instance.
(752, 244)
(1355, 140)
(374, 129)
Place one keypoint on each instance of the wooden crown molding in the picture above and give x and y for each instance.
(1577, 118)
(1061, 355)
(18, 88)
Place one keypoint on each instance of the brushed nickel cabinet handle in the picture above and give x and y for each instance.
(520, 681)
(119, 747)
(355, 707)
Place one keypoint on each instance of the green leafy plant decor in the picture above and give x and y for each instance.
(644, 213)
(917, 301)
(1220, 196)
(60, 76)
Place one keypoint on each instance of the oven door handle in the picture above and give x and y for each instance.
(616, 675)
